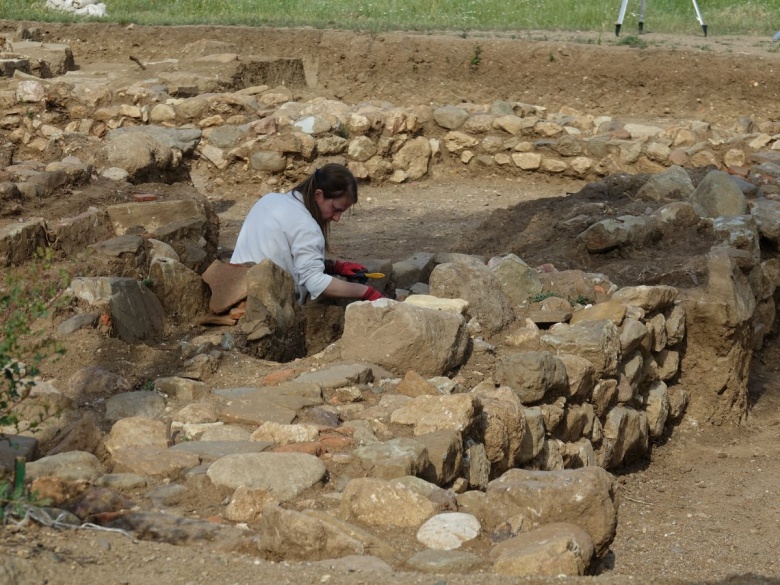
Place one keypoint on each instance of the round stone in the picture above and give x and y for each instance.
(448, 531)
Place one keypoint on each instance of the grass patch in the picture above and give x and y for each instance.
(753, 17)
(632, 41)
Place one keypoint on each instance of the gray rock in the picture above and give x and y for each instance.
(443, 562)
(394, 458)
(136, 432)
(626, 436)
(80, 321)
(429, 414)
(767, 215)
(279, 404)
(121, 481)
(718, 196)
(136, 313)
(626, 230)
(517, 280)
(674, 183)
(415, 269)
(19, 241)
(284, 475)
(183, 139)
(532, 375)
(269, 161)
(502, 425)
(450, 117)
(134, 404)
(445, 456)
(212, 450)
(181, 291)
(475, 283)
(596, 341)
(338, 376)
(71, 466)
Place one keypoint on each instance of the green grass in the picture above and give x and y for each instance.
(745, 17)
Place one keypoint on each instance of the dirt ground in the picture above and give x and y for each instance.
(706, 504)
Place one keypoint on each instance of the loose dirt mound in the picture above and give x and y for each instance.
(706, 506)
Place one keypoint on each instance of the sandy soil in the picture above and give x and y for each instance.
(704, 506)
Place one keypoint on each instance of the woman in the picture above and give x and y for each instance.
(292, 230)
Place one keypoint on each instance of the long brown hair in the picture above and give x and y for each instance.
(335, 181)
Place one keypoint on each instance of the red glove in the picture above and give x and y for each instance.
(371, 294)
(348, 268)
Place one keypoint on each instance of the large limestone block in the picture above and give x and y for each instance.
(284, 475)
(552, 550)
(385, 503)
(189, 225)
(429, 414)
(534, 437)
(399, 337)
(517, 280)
(293, 535)
(584, 497)
(394, 458)
(626, 437)
(71, 466)
(477, 284)
(674, 183)
(718, 196)
(620, 232)
(502, 426)
(140, 155)
(181, 291)
(532, 375)
(580, 375)
(657, 408)
(445, 456)
(596, 341)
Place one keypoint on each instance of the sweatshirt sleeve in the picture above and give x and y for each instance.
(308, 251)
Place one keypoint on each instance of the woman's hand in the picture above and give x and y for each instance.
(371, 294)
(348, 269)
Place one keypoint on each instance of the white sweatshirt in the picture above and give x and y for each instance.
(280, 228)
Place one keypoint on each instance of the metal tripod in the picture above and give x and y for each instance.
(622, 14)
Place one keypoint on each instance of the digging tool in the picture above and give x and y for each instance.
(622, 14)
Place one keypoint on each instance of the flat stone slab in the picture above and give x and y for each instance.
(213, 450)
(443, 561)
(338, 376)
(278, 404)
(285, 475)
(71, 466)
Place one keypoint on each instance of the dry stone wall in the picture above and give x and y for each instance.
(263, 129)
(581, 375)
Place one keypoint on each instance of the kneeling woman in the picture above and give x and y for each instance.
(291, 229)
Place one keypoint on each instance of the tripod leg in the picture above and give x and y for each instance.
(621, 16)
(699, 17)
(642, 16)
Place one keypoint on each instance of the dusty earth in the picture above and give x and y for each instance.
(705, 505)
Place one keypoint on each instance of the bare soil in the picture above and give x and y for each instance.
(705, 504)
